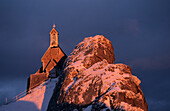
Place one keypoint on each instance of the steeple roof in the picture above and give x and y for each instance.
(54, 31)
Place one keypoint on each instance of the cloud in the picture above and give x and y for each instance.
(157, 62)
(11, 87)
(131, 26)
(158, 105)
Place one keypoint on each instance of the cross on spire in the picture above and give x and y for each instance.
(53, 25)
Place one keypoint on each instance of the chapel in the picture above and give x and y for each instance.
(52, 62)
(54, 56)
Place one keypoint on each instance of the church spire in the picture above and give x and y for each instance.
(53, 37)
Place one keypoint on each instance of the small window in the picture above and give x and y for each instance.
(54, 38)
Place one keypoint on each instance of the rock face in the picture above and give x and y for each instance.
(92, 82)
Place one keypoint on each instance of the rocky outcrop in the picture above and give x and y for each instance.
(92, 81)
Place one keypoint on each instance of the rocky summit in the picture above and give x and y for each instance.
(90, 81)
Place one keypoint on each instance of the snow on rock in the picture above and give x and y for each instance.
(88, 108)
(99, 84)
(37, 100)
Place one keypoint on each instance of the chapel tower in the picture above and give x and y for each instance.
(53, 37)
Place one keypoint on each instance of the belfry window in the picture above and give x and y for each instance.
(54, 38)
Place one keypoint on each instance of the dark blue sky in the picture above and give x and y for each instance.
(139, 31)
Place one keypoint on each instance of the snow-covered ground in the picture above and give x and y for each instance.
(37, 100)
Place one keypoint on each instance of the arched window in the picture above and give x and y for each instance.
(54, 38)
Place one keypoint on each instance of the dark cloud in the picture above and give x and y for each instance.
(138, 30)
(154, 63)
(11, 88)
(132, 27)
(157, 105)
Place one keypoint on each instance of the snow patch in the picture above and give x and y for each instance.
(88, 108)
(71, 84)
(37, 100)
(128, 107)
